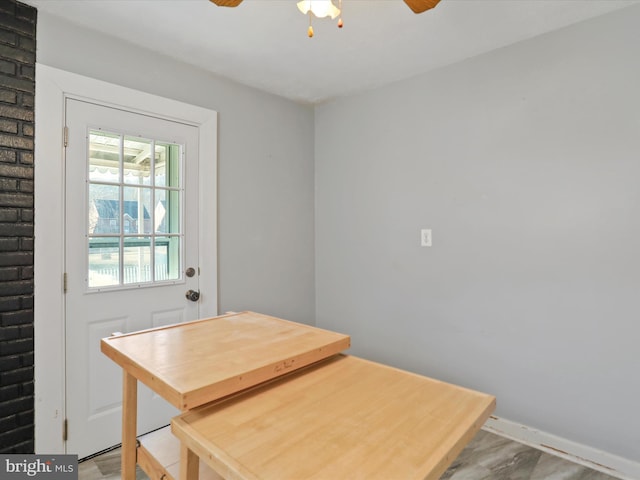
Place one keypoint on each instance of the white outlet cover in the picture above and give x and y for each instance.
(425, 237)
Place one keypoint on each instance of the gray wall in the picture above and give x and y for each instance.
(265, 166)
(525, 162)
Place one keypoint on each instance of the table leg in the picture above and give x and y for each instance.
(129, 425)
(189, 464)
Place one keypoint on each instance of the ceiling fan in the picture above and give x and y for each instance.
(418, 6)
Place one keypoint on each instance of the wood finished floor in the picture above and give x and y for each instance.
(487, 457)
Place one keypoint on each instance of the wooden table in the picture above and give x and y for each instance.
(194, 363)
(342, 418)
(267, 398)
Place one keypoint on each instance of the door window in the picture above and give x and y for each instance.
(134, 199)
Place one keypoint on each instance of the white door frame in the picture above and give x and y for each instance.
(53, 86)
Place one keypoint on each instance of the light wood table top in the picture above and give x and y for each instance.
(342, 418)
(193, 363)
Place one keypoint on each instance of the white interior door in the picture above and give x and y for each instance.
(131, 254)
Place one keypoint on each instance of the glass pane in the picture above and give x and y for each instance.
(104, 262)
(137, 161)
(136, 212)
(167, 258)
(133, 196)
(104, 209)
(137, 260)
(167, 165)
(167, 211)
(104, 157)
(160, 212)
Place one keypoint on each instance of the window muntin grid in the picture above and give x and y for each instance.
(135, 204)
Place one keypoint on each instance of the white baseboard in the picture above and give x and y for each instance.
(588, 456)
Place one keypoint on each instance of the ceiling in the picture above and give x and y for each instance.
(264, 43)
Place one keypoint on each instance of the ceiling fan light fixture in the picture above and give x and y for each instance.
(326, 8)
(320, 8)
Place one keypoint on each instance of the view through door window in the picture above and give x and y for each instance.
(134, 210)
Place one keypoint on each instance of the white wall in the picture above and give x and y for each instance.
(265, 166)
(525, 162)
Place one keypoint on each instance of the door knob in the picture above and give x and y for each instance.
(193, 295)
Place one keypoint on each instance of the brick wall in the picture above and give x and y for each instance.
(17, 89)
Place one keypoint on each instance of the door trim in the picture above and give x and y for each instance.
(53, 86)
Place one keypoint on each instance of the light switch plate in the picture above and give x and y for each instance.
(425, 237)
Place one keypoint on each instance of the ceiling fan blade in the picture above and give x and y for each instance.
(419, 6)
(226, 3)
